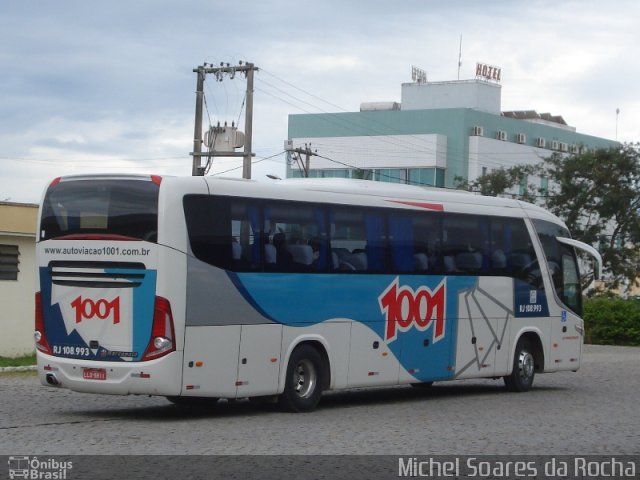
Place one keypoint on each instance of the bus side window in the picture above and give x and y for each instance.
(376, 242)
(465, 244)
(223, 232)
(521, 260)
(357, 241)
(572, 292)
(295, 237)
(414, 243)
(401, 245)
(209, 229)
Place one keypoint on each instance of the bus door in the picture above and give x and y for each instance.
(568, 328)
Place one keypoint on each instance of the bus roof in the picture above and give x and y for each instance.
(337, 190)
(350, 191)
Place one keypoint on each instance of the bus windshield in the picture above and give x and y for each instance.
(113, 206)
(562, 264)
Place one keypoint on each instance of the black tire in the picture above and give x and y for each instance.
(304, 380)
(524, 368)
(193, 402)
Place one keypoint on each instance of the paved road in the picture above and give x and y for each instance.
(594, 411)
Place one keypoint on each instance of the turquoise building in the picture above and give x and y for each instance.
(439, 132)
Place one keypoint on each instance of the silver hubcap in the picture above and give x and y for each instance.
(526, 365)
(304, 378)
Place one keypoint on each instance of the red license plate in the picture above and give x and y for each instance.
(94, 373)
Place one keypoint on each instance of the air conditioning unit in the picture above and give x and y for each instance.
(477, 131)
(541, 142)
(555, 145)
(288, 145)
(574, 149)
(521, 138)
(564, 147)
(501, 135)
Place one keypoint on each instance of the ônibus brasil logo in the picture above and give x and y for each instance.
(405, 308)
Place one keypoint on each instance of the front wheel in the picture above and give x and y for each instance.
(304, 380)
(524, 368)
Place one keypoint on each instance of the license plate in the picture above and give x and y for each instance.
(94, 373)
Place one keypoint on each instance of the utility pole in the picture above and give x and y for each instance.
(196, 169)
(248, 124)
(306, 151)
(248, 69)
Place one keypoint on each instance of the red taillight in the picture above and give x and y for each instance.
(39, 334)
(162, 339)
(157, 179)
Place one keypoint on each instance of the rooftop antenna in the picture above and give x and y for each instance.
(460, 57)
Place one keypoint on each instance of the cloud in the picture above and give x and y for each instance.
(98, 86)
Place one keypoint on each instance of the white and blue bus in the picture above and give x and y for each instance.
(200, 288)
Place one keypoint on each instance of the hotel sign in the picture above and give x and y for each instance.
(488, 72)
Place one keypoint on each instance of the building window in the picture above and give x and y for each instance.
(523, 185)
(544, 186)
(422, 176)
(391, 175)
(338, 173)
(9, 262)
(433, 177)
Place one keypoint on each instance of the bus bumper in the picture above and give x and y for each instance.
(162, 376)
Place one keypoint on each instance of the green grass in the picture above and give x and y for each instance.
(18, 362)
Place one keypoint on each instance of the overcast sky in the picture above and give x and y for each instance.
(90, 86)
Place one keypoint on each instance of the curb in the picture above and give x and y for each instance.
(27, 368)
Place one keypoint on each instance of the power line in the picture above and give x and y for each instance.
(254, 162)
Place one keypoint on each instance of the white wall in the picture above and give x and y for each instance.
(17, 301)
(474, 94)
(493, 154)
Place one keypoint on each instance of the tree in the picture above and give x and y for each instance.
(596, 193)
(500, 181)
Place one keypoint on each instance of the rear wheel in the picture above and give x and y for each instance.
(304, 380)
(524, 368)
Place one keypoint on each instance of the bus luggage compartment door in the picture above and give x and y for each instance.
(211, 361)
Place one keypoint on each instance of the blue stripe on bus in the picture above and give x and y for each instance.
(300, 300)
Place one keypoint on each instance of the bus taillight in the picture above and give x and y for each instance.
(162, 339)
(39, 334)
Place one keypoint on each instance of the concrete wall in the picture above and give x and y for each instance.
(17, 227)
(17, 301)
(474, 94)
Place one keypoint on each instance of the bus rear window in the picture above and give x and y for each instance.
(121, 207)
